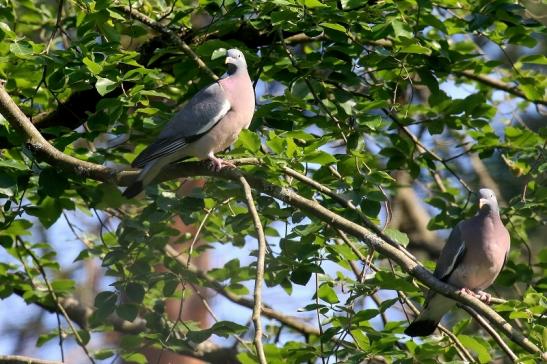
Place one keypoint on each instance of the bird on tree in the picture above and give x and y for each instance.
(207, 124)
(472, 258)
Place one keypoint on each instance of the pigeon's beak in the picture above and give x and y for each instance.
(229, 60)
(482, 202)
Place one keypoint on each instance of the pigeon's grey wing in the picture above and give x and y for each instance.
(451, 255)
(199, 115)
(195, 119)
(158, 149)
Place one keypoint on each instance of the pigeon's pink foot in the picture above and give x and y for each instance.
(484, 297)
(217, 163)
(467, 291)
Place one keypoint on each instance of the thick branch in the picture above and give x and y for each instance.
(19, 359)
(39, 146)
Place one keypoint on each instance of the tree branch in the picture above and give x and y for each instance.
(85, 169)
(261, 256)
(19, 359)
(497, 84)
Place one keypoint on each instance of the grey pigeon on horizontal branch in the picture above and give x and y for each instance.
(207, 124)
(472, 258)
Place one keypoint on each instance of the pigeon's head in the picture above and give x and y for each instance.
(487, 200)
(235, 60)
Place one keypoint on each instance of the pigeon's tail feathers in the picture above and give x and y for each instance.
(421, 327)
(133, 190)
(428, 320)
(145, 177)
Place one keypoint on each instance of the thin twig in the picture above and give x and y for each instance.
(321, 348)
(497, 338)
(215, 317)
(257, 308)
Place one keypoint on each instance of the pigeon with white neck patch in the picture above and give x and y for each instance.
(472, 258)
(209, 123)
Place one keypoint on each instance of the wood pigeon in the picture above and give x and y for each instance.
(209, 123)
(472, 258)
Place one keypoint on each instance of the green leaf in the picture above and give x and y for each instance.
(52, 182)
(534, 59)
(104, 86)
(103, 354)
(473, 344)
(84, 335)
(415, 48)
(401, 29)
(218, 53)
(136, 358)
(21, 49)
(48, 211)
(8, 183)
(10, 34)
(319, 157)
(398, 236)
(13, 164)
(249, 141)
(63, 285)
(127, 311)
(334, 26)
(44, 338)
(226, 328)
(389, 280)
(312, 3)
(106, 299)
(361, 340)
(327, 294)
(301, 275)
(93, 67)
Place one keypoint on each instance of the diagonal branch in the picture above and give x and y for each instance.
(462, 351)
(257, 307)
